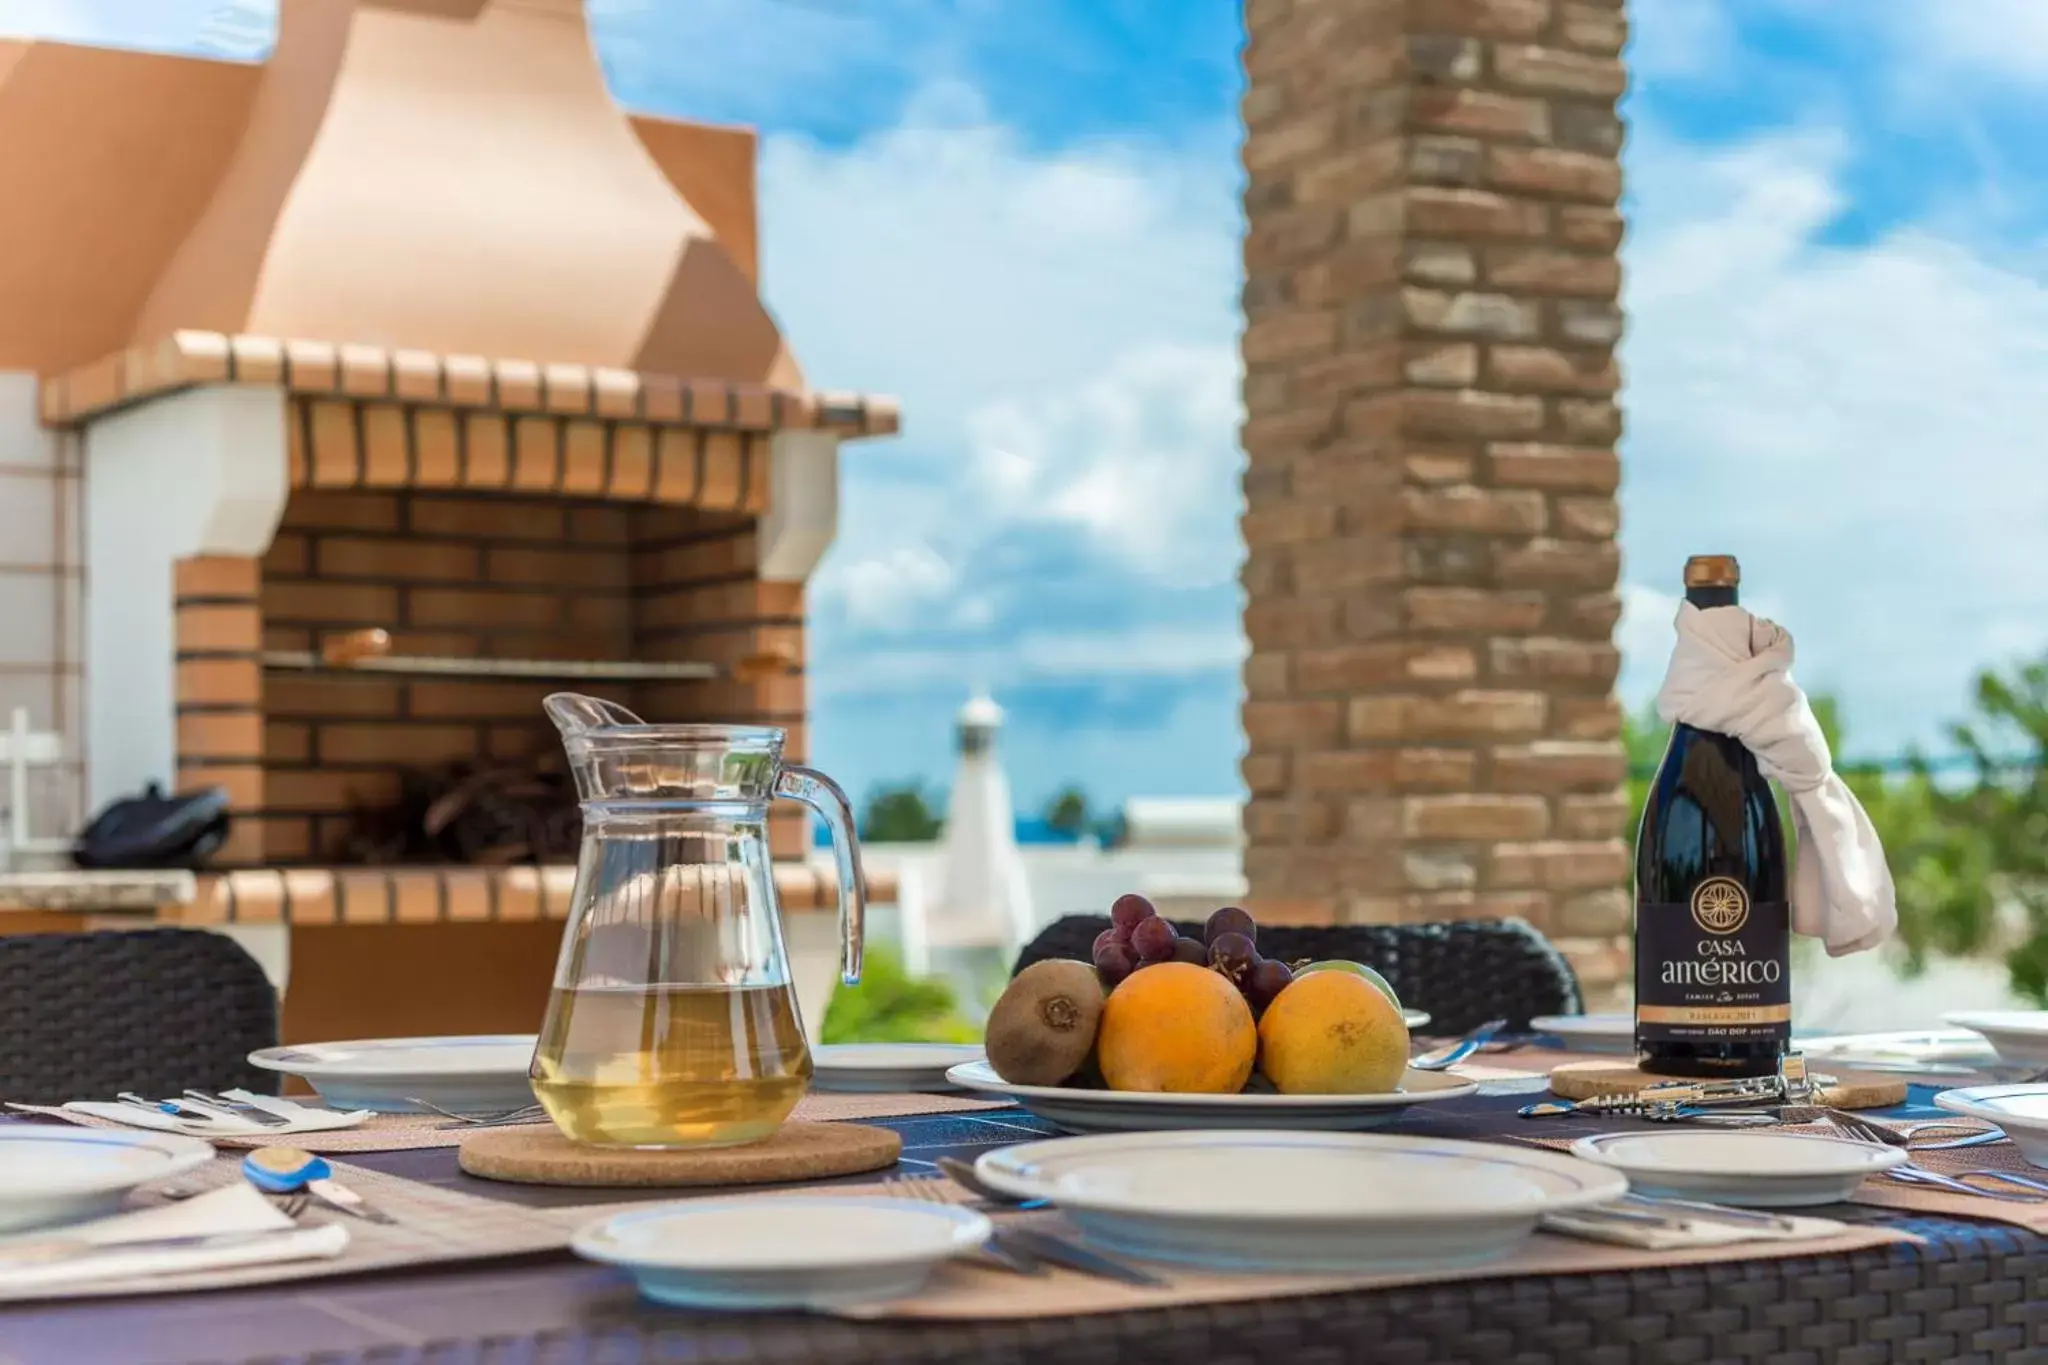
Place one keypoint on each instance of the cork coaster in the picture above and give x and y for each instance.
(797, 1151)
(1584, 1080)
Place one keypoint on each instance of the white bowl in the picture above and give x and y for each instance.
(1602, 1033)
(1300, 1201)
(798, 1251)
(2021, 1111)
(474, 1074)
(1755, 1169)
(50, 1174)
(887, 1068)
(2021, 1036)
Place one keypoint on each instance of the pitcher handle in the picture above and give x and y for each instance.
(823, 795)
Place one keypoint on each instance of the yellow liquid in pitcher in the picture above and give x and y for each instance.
(671, 1066)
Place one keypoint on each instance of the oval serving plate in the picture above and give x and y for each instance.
(1092, 1111)
(1300, 1201)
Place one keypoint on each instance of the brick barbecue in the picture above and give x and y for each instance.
(309, 367)
(1430, 297)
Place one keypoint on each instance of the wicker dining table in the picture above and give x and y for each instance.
(1970, 1291)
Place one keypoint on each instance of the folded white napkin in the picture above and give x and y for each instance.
(251, 1229)
(300, 1118)
(1704, 1232)
(1732, 673)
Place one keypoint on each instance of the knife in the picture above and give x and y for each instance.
(1033, 1244)
(1010, 1258)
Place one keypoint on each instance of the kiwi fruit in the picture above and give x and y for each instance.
(1042, 1030)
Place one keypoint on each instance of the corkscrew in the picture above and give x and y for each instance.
(1704, 1100)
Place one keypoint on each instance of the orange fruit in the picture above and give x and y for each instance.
(1177, 1028)
(1332, 1033)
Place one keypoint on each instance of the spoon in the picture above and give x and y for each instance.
(1444, 1058)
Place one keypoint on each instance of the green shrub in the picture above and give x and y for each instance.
(892, 1006)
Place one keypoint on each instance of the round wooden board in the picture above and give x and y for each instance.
(797, 1151)
(1584, 1080)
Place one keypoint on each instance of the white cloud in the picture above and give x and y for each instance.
(1038, 657)
(1061, 327)
(1861, 424)
(220, 28)
(2006, 38)
(1645, 637)
(1141, 459)
(888, 590)
(1680, 38)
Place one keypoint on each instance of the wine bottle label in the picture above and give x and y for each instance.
(1713, 970)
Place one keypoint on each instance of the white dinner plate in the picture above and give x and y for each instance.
(1603, 1033)
(1764, 1170)
(2020, 1110)
(60, 1175)
(801, 1251)
(1950, 1050)
(1293, 1201)
(479, 1074)
(2021, 1036)
(888, 1068)
(1096, 1111)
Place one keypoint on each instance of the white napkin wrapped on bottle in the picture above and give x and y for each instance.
(1732, 673)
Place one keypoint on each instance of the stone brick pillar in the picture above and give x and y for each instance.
(1430, 299)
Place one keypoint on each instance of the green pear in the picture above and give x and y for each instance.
(1356, 969)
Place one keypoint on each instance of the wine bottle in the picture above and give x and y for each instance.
(1713, 929)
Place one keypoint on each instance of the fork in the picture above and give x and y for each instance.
(930, 1189)
(179, 1109)
(1449, 1056)
(1912, 1173)
(525, 1113)
(1034, 1245)
(262, 1118)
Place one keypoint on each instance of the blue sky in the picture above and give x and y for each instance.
(1021, 216)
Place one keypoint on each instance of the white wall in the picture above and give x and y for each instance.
(803, 505)
(41, 569)
(197, 472)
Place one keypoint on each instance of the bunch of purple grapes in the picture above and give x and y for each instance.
(1138, 937)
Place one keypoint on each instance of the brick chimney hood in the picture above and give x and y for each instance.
(453, 176)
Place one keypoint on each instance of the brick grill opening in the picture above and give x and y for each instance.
(467, 575)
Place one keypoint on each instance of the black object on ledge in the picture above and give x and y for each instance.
(155, 831)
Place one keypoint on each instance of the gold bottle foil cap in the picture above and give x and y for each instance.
(1712, 571)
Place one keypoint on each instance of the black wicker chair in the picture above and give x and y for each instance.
(86, 1016)
(1464, 972)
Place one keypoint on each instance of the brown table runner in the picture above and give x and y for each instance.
(961, 1290)
(440, 1227)
(968, 1290)
(406, 1132)
(1883, 1192)
(434, 1226)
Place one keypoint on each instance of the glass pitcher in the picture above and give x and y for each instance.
(672, 1021)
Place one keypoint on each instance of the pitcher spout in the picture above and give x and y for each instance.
(576, 715)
